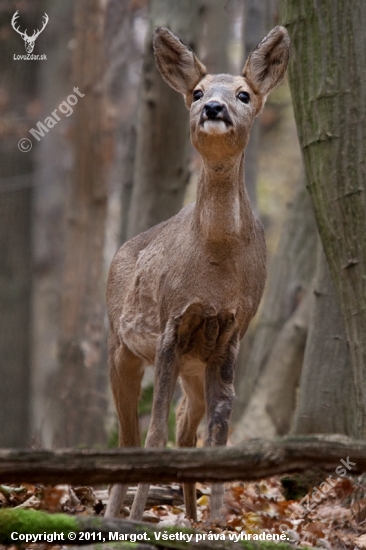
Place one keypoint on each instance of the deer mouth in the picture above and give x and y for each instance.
(215, 118)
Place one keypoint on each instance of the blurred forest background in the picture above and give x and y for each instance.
(118, 164)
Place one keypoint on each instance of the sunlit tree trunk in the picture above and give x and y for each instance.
(327, 77)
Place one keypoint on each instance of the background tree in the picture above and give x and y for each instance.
(54, 254)
(259, 18)
(327, 76)
(17, 105)
(266, 394)
(53, 161)
(326, 373)
(82, 376)
(162, 150)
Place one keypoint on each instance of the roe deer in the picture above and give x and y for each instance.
(181, 295)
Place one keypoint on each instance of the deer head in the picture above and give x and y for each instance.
(222, 107)
(28, 40)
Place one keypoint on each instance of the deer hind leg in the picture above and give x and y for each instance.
(166, 373)
(189, 414)
(219, 395)
(126, 371)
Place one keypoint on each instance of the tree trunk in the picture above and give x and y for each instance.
(81, 380)
(162, 153)
(326, 374)
(123, 71)
(258, 20)
(271, 407)
(290, 276)
(47, 221)
(18, 90)
(214, 45)
(327, 78)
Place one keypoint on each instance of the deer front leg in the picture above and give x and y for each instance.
(220, 395)
(166, 373)
(190, 413)
(125, 374)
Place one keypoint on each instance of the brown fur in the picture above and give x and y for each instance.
(181, 295)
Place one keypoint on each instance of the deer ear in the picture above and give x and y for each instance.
(267, 63)
(177, 63)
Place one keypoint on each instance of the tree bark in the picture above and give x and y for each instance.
(18, 90)
(290, 275)
(271, 407)
(122, 78)
(214, 45)
(327, 78)
(48, 211)
(254, 460)
(162, 150)
(326, 374)
(81, 380)
(258, 20)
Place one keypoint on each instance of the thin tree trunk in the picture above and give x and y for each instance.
(18, 84)
(258, 20)
(122, 81)
(215, 42)
(81, 380)
(328, 83)
(48, 222)
(162, 153)
(326, 393)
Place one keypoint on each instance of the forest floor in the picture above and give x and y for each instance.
(336, 520)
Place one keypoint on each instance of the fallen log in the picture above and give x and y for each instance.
(256, 459)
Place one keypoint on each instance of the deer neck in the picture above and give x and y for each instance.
(223, 212)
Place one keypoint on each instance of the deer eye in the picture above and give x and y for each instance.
(197, 94)
(244, 97)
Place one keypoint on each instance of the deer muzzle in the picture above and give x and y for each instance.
(213, 110)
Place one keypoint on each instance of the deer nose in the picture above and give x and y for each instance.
(212, 109)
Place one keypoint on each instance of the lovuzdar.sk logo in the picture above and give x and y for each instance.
(29, 41)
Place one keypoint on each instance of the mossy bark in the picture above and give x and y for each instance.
(327, 75)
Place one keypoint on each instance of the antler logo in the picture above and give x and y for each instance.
(28, 40)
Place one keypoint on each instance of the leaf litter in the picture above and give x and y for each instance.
(338, 521)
